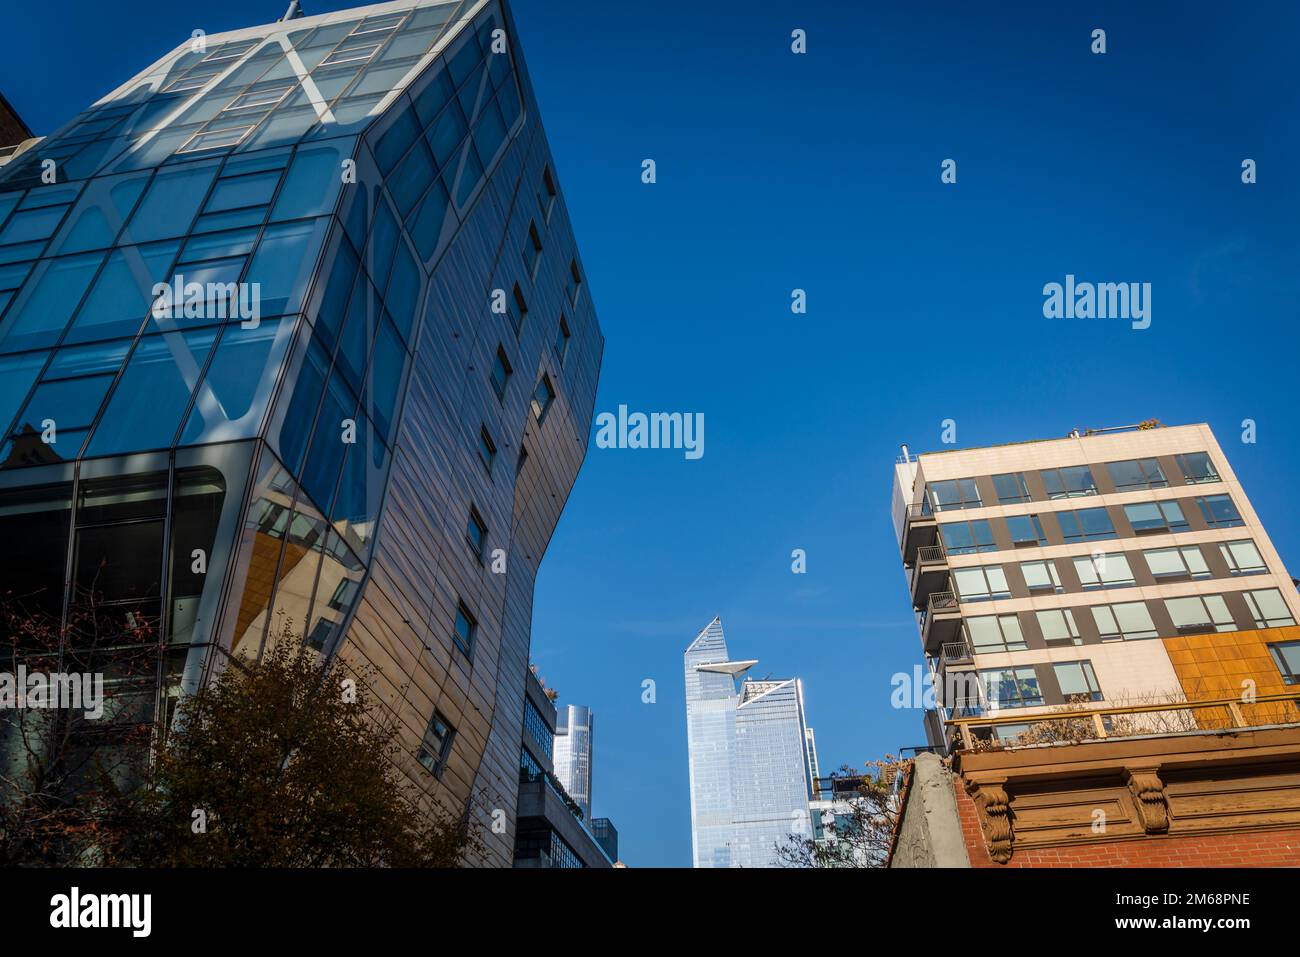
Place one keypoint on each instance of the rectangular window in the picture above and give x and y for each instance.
(546, 195)
(518, 311)
(1200, 613)
(1058, 626)
(354, 54)
(1072, 481)
(953, 494)
(1242, 557)
(543, 396)
(1136, 473)
(1104, 570)
(987, 633)
(500, 374)
(1041, 576)
(1128, 620)
(215, 139)
(1269, 608)
(1026, 530)
(476, 533)
(1287, 656)
(1155, 517)
(1184, 562)
(260, 98)
(1085, 525)
(487, 450)
(1077, 681)
(963, 538)
(980, 584)
(436, 746)
(1197, 468)
(573, 283)
(532, 251)
(1011, 688)
(1219, 511)
(562, 340)
(466, 630)
(1010, 488)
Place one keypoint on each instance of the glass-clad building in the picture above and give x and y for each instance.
(295, 341)
(751, 758)
(574, 730)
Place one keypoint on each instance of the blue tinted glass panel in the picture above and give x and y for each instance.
(356, 508)
(101, 214)
(145, 409)
(379, 251)
(29, 224)
(446, 134)
(385, 379)
(283, 263)
(17, 373)
(427, 226)
(47, 302)
(171, 201)
(253, 189)
(88, 360)
(396, 140)
(300, 413)
(334, 302)
(315, 178)
(224, 245)
(358, 332)
(412, 178)
(69, 403)
(232, 399)
(434, 96)
(403, 290)
(327, 447)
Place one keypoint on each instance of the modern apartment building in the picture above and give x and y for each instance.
(358, 417)
(552, 830)
(574, 728)
(1113, 568)
(751, 757)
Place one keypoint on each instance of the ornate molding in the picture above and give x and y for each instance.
(1150, 799)
(994, 807)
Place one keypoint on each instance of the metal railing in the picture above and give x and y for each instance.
(930, 554)
(1229, 706)
(941, 601)
(956, 652)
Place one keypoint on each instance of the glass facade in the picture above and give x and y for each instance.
(751, 758)
(574, 728)
(217, 287)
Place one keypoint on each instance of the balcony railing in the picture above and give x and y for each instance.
(930, 555)
(941, 601)
(956, 653)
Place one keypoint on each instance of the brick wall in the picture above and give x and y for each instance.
(1275, 848)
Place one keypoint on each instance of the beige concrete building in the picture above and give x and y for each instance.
(1112, 568)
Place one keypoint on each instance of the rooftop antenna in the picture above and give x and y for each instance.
(906, 456)
(293, 13)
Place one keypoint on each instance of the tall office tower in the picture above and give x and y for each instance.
(750, 758)
(358, 412)
(573, 744)
(1113, 568)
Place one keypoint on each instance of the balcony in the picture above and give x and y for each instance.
(919, 528)
(940, 622)
(929, 573)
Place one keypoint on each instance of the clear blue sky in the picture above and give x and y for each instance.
(821, 172)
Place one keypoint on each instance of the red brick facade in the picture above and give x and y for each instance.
(1276, 848)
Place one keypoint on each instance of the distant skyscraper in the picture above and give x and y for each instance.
(573, 741)
(751, 757)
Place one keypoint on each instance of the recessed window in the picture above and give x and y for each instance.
(562, 340)
(476, 533)
(1184, 562)
(229, 51)
(543, 396)
(990, 633)
(466, 630)
(352, 54)
(1269, 608)
(573, 283)
(215, 139)
(1242, 557)
(1011, 688)
(1197, 468)
(435, 749)
(1058, 626)
(1010, 487)
(487, 450)
(517, 312)
(532, 250)
(1041, 576)
(546, 195)
(501, 371)
(954, 494)
(519, 462)
(186, 83)
(1287, 656)
(1085, 525)
(1130, 620)
(1200, 613)
(1026, 530)
(1155, 517)
(261, 98)
(962, 538)
(1104, 570)
(1219, 511)
(1072, 481)
(1077, 681)
(980, 584)
(1136, 473)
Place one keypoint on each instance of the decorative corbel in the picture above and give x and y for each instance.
(994, 807)
(1149, 797)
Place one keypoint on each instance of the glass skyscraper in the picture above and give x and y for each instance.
(751, 756)
(574, 727)
(295, 340)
